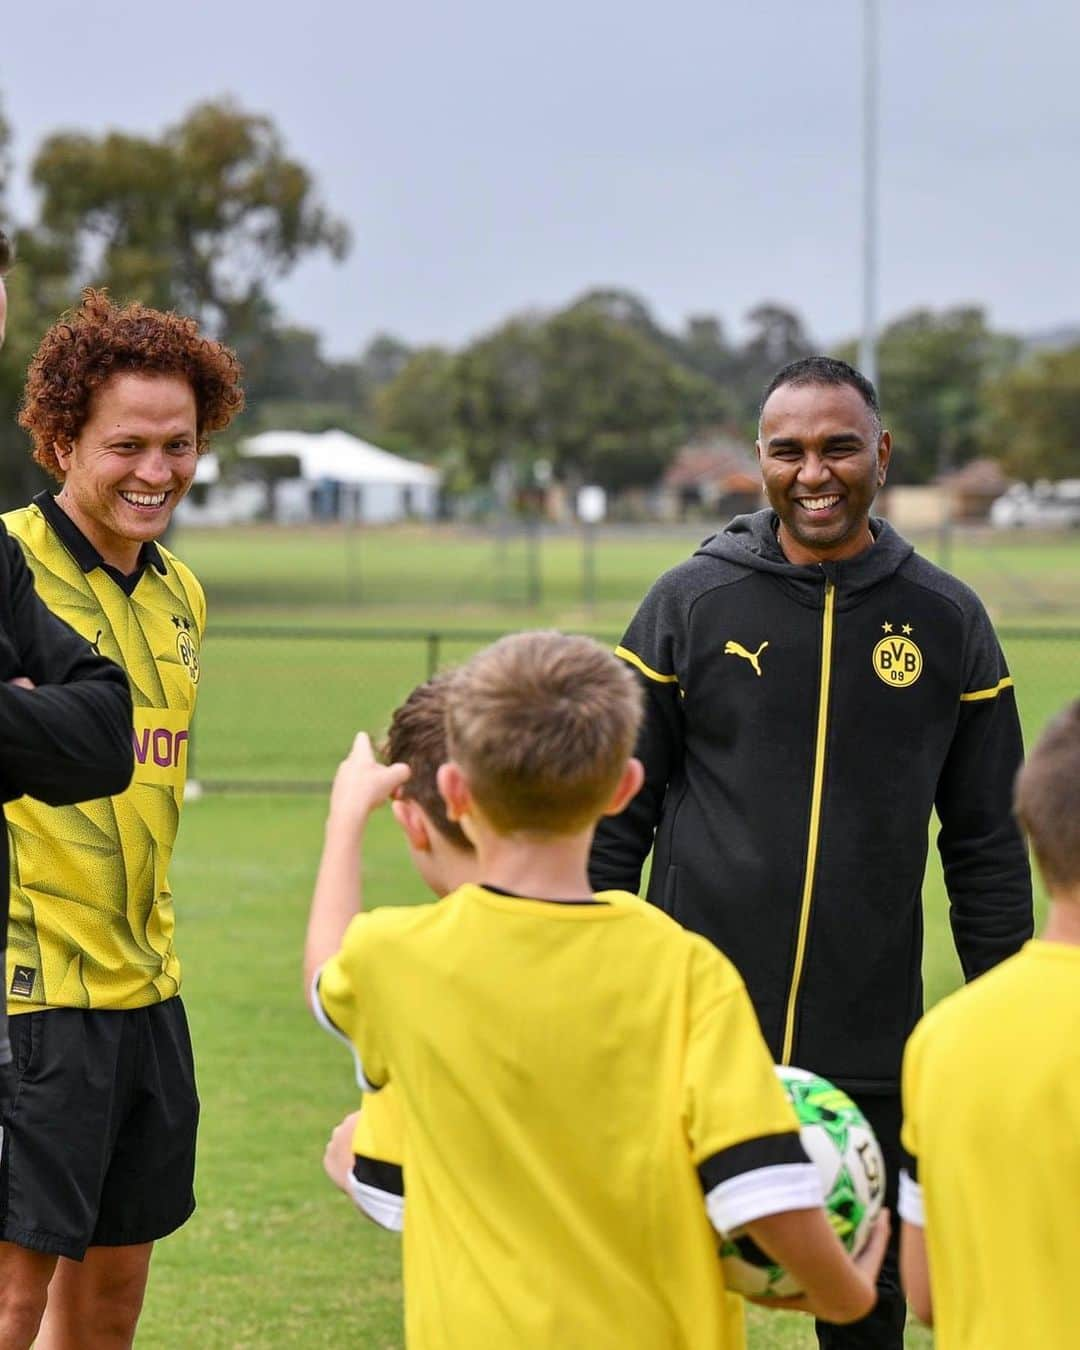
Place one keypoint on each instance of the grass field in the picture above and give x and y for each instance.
(456, 575)
(274, 1257)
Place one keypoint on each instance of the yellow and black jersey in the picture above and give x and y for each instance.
(377, 1180)
(91, 922)
(377, 1185)
(992, 1121)
(582, 1087)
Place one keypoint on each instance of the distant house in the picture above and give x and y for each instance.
(713, 475)
(972, 489)
(327, 475)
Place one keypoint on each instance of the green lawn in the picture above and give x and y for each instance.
(274, 1256)
(452, 576)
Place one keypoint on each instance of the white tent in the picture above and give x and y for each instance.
(213, 502)
(344, 476)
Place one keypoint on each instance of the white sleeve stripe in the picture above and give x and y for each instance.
(909, 1204)
(323, 1019)
(766, 1190)
(385, 1208)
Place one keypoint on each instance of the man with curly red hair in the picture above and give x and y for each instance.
(65, 711)
(99, 1145)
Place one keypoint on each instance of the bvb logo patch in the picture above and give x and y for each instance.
(188, 654)
(897, 660)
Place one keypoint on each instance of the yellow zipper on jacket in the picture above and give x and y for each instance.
(815, 822)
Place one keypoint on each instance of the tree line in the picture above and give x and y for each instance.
(210, 214)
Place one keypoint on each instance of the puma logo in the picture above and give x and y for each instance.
(737, 649)
(95, 646)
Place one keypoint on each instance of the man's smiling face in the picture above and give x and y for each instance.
(823, 457)
(130, 464)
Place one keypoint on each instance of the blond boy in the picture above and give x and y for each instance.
(990, 1241)
(365, 1155)
(584, 1084)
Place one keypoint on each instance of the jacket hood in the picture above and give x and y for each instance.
(751, 541)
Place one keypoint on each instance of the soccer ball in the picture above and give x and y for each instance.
(842, 1146)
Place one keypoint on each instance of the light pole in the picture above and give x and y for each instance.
(868, 341)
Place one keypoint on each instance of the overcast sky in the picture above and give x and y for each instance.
(491, 156)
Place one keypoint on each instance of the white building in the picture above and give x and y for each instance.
(212, 502)
(340, 478)
(345, 478)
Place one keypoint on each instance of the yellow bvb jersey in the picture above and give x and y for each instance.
(992, 1120)
(379, 1137)
(567, 1076)
(91, 910)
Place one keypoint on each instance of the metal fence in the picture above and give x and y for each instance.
(279, 706)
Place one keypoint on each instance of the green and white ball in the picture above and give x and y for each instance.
(841, 1145)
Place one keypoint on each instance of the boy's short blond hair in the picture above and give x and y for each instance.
(542, 725)
(1047, 799)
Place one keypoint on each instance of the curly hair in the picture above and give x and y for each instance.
(96, 340)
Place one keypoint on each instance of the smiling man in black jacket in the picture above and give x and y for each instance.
(814, 690)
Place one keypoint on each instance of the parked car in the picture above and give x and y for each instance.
(1043, 505)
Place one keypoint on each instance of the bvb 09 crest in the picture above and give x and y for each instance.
(188, 654)
(897, 660)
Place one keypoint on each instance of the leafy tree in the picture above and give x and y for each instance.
(415, 411)
(622, 309)
(497, 383)
(933, 368)
(287, 365)
(706, 350)
(1033, 416)
(5, 164)
(613, 406)
(383, 360)
(587, 390)
(201, 220)
(777, 336)
(19, 476)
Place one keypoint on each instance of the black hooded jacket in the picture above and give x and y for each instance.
(68, 739)
(801, 723)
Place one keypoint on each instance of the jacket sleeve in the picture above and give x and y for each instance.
(985, 861)
(69, 738)
(653, 645)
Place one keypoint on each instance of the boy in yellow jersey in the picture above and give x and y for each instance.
(99, 1145)
(583, 1083)
(990, 1240)
(366, 1152)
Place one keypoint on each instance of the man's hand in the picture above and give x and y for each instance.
(338, 1157)
(23, 682)
(361, 784)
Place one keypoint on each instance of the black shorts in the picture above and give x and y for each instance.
(98, 1146)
